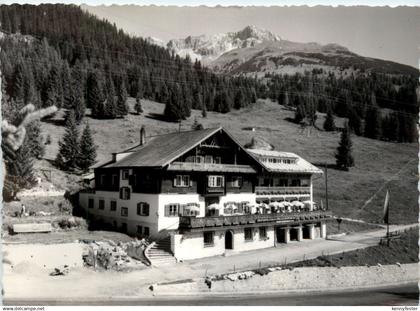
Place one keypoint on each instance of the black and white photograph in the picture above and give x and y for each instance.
(193, 153)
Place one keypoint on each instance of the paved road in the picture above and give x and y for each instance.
(405, 295)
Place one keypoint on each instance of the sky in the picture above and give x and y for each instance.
(392, 3)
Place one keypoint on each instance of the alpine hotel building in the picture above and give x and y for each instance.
(206, 193)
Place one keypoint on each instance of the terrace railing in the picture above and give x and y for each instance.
(187, 222)
(282, 190)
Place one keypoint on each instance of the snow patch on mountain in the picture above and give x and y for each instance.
(207, 48)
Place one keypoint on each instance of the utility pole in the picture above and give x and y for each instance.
(326, 185)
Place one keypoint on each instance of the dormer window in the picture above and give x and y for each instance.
(125, 174)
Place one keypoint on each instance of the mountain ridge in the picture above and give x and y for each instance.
(253, 50)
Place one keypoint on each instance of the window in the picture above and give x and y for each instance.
(295, 182)
(216, 181)
(124, 211)
(113, 206)
(125, 193)
(208, 238)
(143, 209)
(139, 229)
(199, 159)
(171, 210)
(91, 203)
(235, 182)
(267, 182)
(125, 174)
(182, 181)
(248, 234)
(146, 231)
(208, 159)
(246, 207)
(282, 182)
(263, 233)
(305, 182)
(218, 160)
(114, 180)
(101, 204)
(102, 180)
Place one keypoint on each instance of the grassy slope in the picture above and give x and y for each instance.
(377, 162)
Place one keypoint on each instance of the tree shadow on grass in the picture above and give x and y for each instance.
(159, 117)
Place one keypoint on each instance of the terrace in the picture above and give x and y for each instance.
(199, 223)
(271, 191)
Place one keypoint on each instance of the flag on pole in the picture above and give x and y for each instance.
(386, 208)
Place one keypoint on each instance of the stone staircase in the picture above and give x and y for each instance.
(159, 253)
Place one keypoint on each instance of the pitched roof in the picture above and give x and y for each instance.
(300, 166)
(160, 150)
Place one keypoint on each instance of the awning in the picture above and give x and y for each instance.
(193, 208)
(213, 206)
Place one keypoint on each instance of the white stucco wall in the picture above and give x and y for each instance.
(132, 219)
(240, 244)
(191, 245)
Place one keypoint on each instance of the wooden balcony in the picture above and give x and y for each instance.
(199, 223)
(272, 191)
(211, 167)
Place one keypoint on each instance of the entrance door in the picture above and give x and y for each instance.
(228, 240)
(280, 235)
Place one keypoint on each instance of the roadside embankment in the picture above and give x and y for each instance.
(305, 279)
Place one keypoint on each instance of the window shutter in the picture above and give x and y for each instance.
(240, 207)
(121, 193)
(128, 193)
(138, 208)
(131, 180)
(181, 208)
(166, 210)
(146, 209)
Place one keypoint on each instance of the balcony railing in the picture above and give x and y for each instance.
(186, 222)
(260, 191)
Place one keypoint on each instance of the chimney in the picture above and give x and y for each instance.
(142, 136)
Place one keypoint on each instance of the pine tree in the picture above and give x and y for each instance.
(196, 126)
(373, 123)
(173, 110)
(204, 111)
(344, 158)
(19, 80)
(76, 100)
(87, 155)
(34, 141)
(355, 122)
(300, 113)
(137, 107)
(239, 99)
(122, 107)
(53, 88)
(67, 86)
(69, 147)
(111, 109)
(95, 98)
(329, 124)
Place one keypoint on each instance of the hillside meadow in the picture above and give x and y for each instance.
(358, 193)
